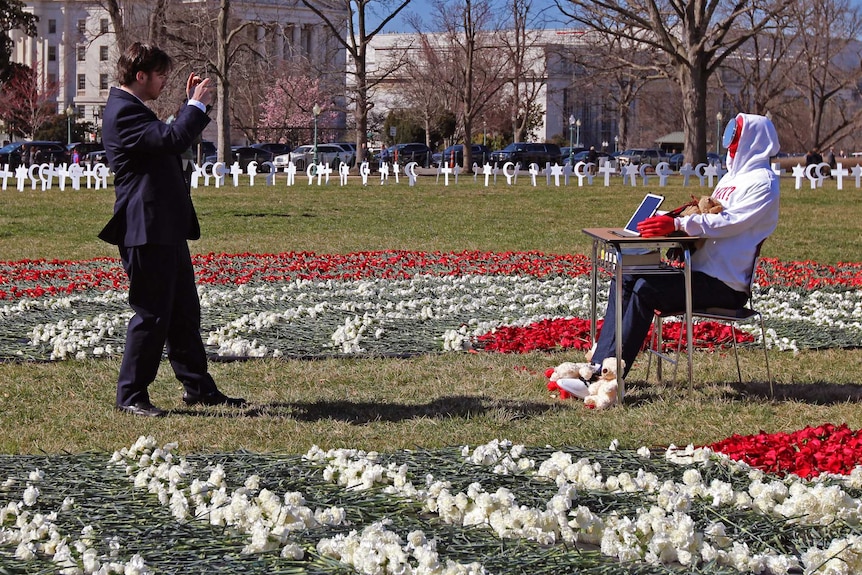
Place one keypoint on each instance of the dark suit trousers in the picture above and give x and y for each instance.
(642, 295)
(164, 297)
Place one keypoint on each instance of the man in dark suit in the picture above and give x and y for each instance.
(153, 219)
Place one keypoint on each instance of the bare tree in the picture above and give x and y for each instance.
(356, 40)
(695, 37)
(526, 78)
(26, 104)
(476, 70)
(421, 92)
(826, 69)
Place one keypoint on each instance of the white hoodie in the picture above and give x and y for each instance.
(749, 193)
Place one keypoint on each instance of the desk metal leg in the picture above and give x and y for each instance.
(618, 271)
(594, 286)
(688, 318)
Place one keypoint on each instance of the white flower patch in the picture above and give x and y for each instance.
(379, 551)
(266, 518)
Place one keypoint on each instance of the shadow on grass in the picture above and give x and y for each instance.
(359, 413)
(815, 393)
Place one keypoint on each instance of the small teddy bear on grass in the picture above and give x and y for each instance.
(603, 391)
(597, 389)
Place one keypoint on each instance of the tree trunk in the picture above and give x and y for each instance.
(223, 87)
(693, 83)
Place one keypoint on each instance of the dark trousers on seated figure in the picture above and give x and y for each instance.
(643, 294)
(164, 297)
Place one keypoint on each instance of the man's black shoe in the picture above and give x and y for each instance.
(143, 409)
(215, 398)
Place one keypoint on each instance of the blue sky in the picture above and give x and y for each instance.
(552, 19)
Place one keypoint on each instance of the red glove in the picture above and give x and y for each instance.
(657, 226)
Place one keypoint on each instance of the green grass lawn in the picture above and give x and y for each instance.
(427, 401)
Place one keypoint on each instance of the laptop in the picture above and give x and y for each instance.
(646, 209)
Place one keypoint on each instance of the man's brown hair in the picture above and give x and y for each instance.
(141, 58)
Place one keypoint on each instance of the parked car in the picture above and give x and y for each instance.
(350, 148)
(45, 153)
(676, 161)
(301, 156)
(274, 148)
(480, 153)
(637, 156)
(94, 157)
(403, 153)
(583, 154)
(83, 148)
(528, 153)
(245, 155)
(567, 151)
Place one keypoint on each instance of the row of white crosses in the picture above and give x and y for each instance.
(217, 172)
(816, 174)
(43, 176)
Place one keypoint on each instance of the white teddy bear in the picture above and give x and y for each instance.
(602, 393)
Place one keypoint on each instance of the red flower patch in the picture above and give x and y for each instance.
(806, 453)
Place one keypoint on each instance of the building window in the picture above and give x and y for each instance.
(82, 53)
(52, 53)
(103, 81)
(82, 26)
(103, 53)
(52, 26)
(103, 25)
(82, 82)
(52, 79)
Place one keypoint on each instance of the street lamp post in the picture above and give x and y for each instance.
(70, 111)
(96, 114)
(616, 144)
(571, 138)
(315, 112)
(718, 118)
(578, 124)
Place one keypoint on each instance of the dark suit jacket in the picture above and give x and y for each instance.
(153, 204)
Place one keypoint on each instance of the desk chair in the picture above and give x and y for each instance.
(728, 316)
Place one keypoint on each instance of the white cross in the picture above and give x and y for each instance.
(21, 174)
(534, 171)
(323, 171)
(395, 169)
(631, 173)
(710, 172)
(557, 171)
(197, 172)
(5, 174)
(235, 171)
(607, 169)
(798, 174)
(445, 170)
(75, 173)
(290, 170)
(364, 171)
(857, 173)
(687, 171)
(384, 172)
(343, 172)
(486, 169)
(663, 170)
(840, 173)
